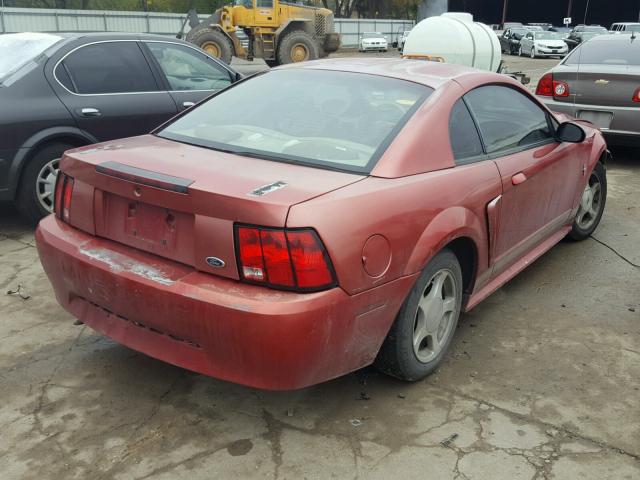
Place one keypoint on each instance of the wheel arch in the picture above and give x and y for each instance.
(293, 24)
(71, 135)
(458, 229)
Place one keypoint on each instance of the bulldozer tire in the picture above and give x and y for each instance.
(297, 46)
(215, 43)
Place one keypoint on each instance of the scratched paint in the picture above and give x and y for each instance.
(120, 263)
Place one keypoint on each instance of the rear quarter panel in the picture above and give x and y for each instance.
(417, 215)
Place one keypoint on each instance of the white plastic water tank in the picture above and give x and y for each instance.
(457, 39)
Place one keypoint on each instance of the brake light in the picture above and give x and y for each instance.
(636, 96)
(283, 258)
(545, 85)
(548, 87)
(62, 197)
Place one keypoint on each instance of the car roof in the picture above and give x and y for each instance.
(625, 39)
(431, 74)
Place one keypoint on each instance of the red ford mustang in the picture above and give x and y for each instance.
(319, 218)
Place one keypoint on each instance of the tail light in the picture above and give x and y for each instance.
(287, 259)
(636, 96)
(548, 87)
(62, 198)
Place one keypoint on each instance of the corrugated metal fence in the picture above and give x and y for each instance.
(50, 20)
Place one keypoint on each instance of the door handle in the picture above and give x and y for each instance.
(518, 178)
(188, 104)
(90, 112)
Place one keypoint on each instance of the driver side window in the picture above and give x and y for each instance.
(507, 119)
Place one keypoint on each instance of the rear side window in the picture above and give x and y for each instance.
(607, 52)
(507, 119)
(114, 67)
(465, 141)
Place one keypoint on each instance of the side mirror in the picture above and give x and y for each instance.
(570, 133)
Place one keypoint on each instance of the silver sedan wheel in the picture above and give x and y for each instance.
(590, 203)
(46, 184)
(435, 316)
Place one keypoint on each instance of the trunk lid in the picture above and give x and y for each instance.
(606, 85)
(180, 201)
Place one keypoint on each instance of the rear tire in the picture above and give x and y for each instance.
(422, 332)
(297, 46)
(592, 202)
(37, 182)
(215, 43)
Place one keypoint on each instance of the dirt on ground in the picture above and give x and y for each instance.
(541, 382)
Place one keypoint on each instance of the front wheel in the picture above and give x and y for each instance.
(422, 332)
(594, 197)
(520, 51)
(215, 43)
(533, 52)
(297, 46)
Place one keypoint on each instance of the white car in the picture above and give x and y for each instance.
(543, 44)
(373, 41)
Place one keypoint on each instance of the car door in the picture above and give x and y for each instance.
(539, 174)
(110, 90)
(505, 41)
(527, 43)
(190, 74)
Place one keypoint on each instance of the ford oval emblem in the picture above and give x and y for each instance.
(215, 262)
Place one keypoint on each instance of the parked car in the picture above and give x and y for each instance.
(373, 41)
(66, 90)
(564, 32)
(625, 27)
(510, 40)
(599, 82)
(214, 244)
(542, 44)
(582, 33)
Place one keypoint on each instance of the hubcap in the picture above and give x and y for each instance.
(46, 184)
(212, 49)
(299, 53)
(590, 203)
(435, 316)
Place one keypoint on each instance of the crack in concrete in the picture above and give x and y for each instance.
(533, 420)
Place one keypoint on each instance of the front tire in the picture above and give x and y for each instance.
(422, 332)
(520, 51)
(533, 52)
(592, 202)
(37, 182)
(297, 46)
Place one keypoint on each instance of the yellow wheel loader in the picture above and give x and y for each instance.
(278, 32)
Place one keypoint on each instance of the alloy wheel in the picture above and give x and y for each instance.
(435, 316)
(590, 203)
(46, 184)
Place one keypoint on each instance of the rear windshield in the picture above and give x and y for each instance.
(595, 29)
(17, 49)
(606, 53)
(547, 36)
(337, 120)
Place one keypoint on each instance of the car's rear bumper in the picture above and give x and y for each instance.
(219, 327)
(624, 128)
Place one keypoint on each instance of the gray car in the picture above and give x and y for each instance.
(60, 91)
(600, 82)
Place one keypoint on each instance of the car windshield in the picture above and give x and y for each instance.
(372, 35)
(17, 49)
(595, 29)
(546, 36)
(534, 28)
(596, 52)
(519, 31)
(330, 119)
